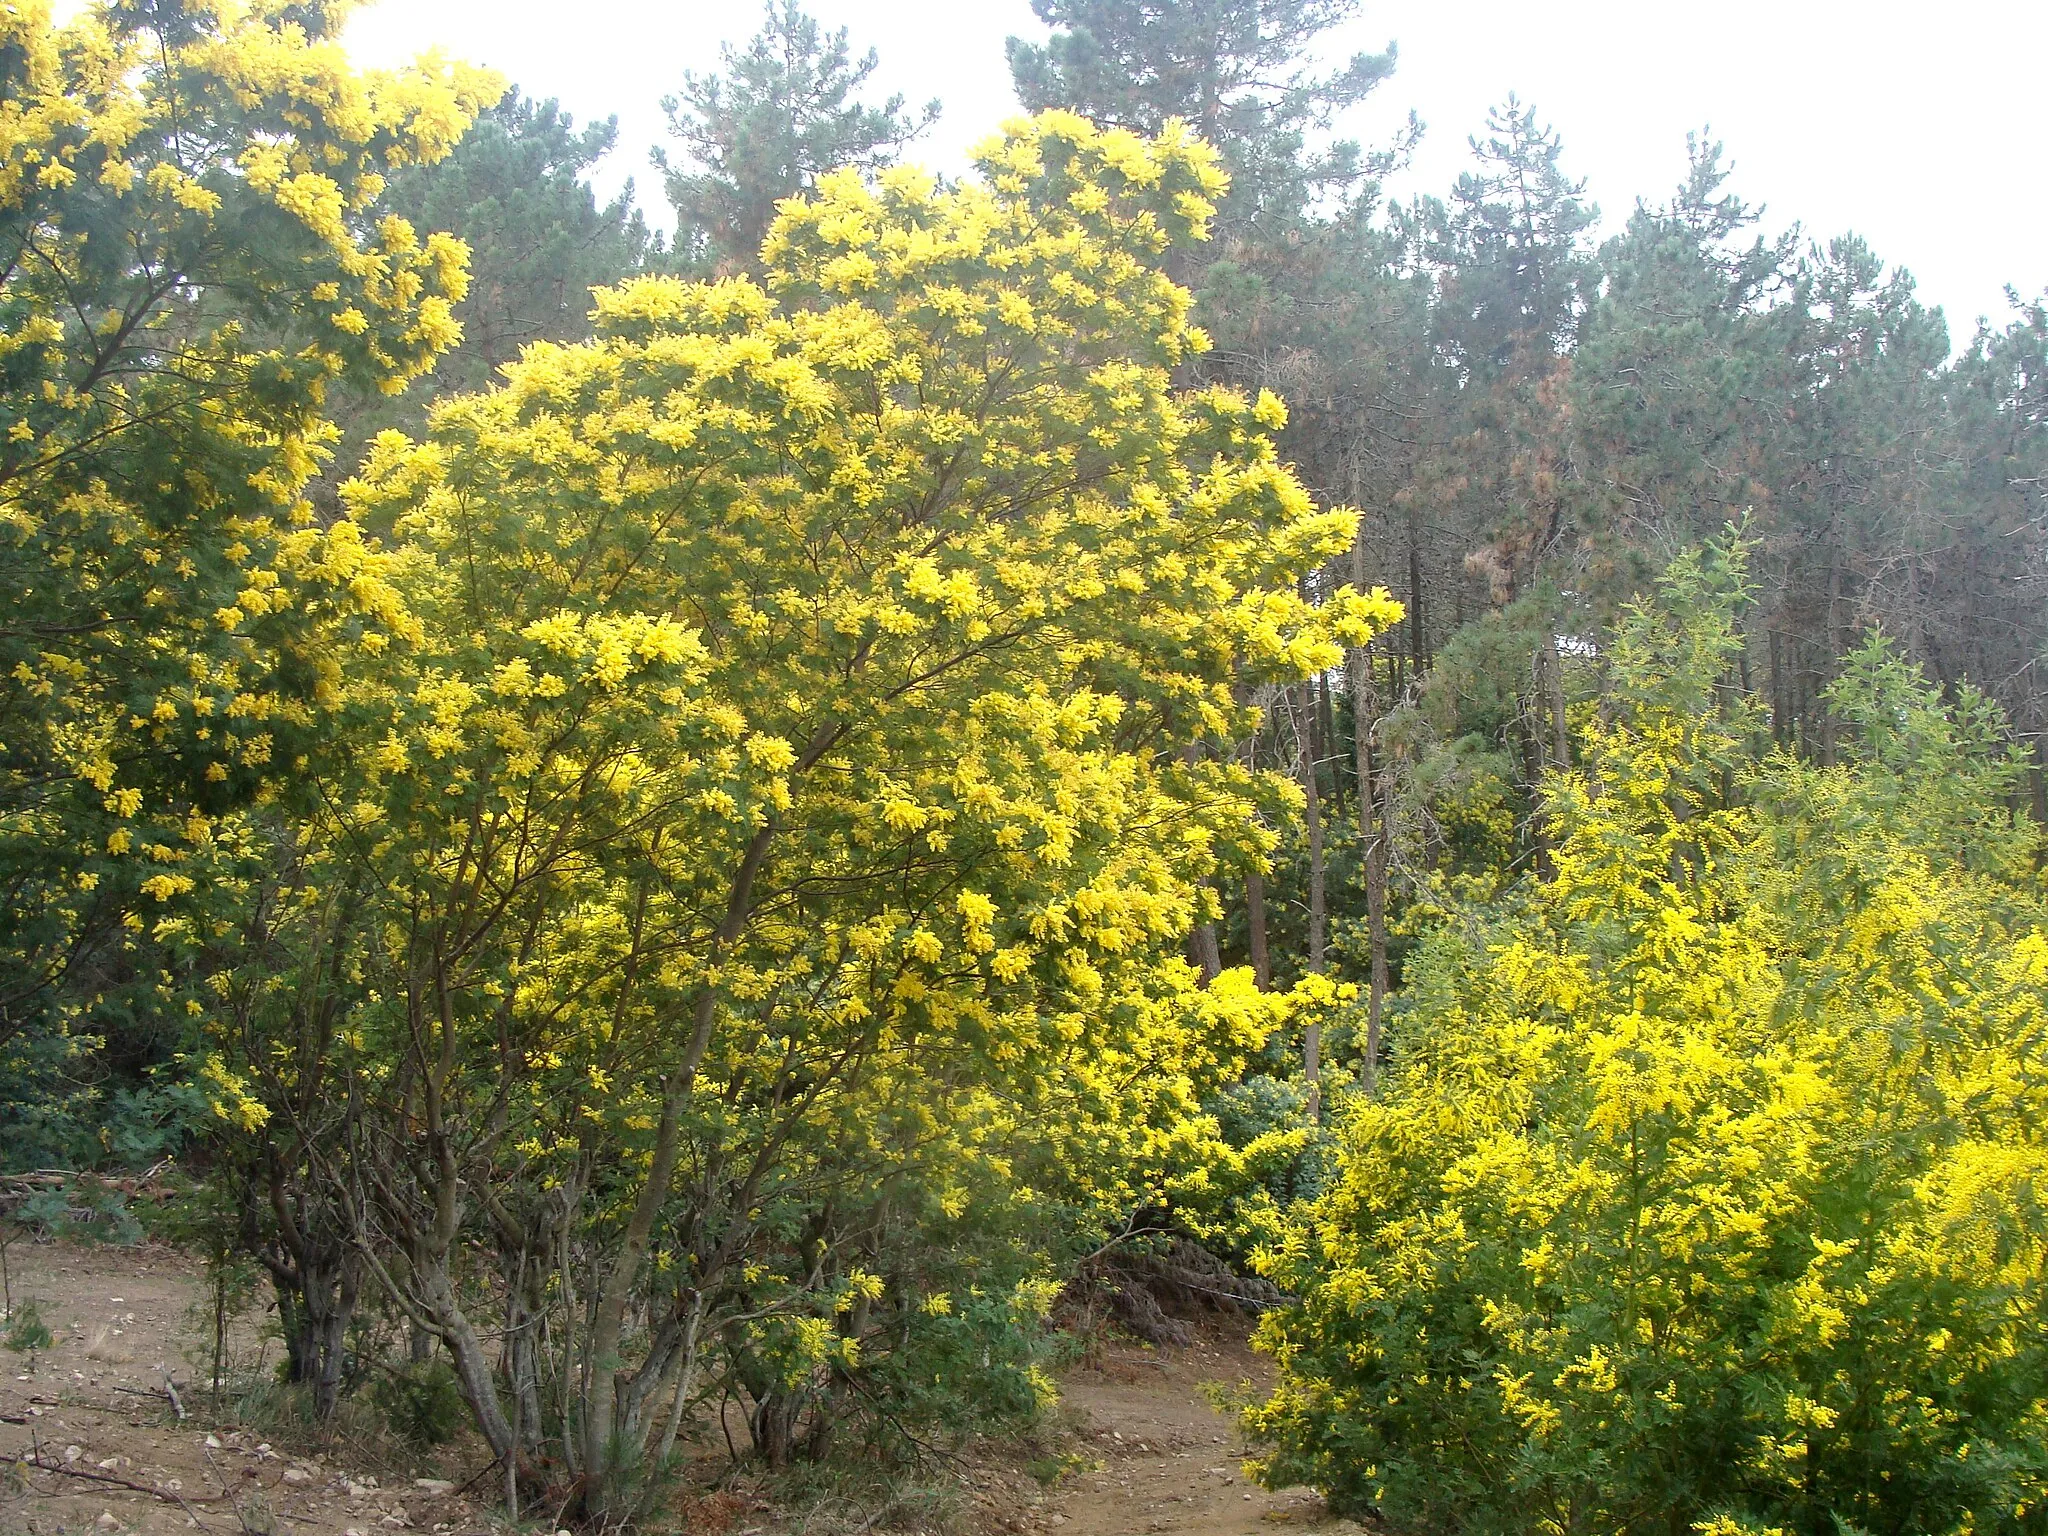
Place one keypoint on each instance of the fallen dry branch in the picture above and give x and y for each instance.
(168, 1392)
(34, 1461)
(1153, 1294)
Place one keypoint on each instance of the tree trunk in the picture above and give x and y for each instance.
(318, 1279)
(1553, 700)
(526, 1275)
(429, 1225)
(466, 1353)
(332, 1333)
(1318, 912)
(1326, 739)
(1777, 690)
(774, 1425)
(1255, 930)
(1834, 659)
(1372, 837)
(1373, 830)
(1206, 952)
(1415, 637)
(686, 1381)
(1535, 763)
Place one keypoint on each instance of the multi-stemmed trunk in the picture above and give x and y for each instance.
(317, 1273)
(316, 1301)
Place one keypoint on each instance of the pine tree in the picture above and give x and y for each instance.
(1237, 71)
(1510, 243)
(785, 109)
(1992, 586)
(516, 190)
(1680, 369)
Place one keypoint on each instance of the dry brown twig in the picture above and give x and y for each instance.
(36, 1462)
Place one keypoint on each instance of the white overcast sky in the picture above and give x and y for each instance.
(1919, 127)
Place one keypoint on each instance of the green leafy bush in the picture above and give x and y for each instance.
(26, 1331)
(1265, 1118)
(421, 1404)
(84, 1208)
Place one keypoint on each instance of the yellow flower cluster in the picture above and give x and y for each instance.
(794, 725)
(1707, 1185)
(193, 616)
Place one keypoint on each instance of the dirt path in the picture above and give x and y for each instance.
(109, 1454)
(1169, 1463)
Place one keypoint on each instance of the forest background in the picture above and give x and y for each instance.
(737, 832)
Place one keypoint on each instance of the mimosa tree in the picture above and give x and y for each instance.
(1705, 1192)
(758, 897)
(191, 255)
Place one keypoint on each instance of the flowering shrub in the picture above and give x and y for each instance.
(1708, 1188)
(198, 255)
(762, 877)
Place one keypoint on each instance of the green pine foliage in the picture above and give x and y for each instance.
(783, 111)
(1236, 71)
(421, 1403)
(25, 1331)
(517, 187)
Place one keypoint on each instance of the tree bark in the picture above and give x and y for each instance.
(1372, 836)
(1255, 930)
(1415, 637)
(1326, 742)
(1318, 911)
(1777, 690)
(1207, 952)
(318, 1276)
(1373, 830)
(1834, 658)
(526, 1276)
(1553, 700)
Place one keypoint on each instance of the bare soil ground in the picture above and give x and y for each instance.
(91, 1442)
(90, 1439)
(1167, 1462)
